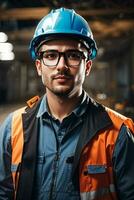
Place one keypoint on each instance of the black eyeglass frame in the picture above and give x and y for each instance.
(64, 54)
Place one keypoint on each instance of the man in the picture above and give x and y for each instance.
(65, 146)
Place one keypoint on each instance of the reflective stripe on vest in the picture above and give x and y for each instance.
(98, 193)
(17, 141)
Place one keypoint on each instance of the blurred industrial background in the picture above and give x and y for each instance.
(112, 78)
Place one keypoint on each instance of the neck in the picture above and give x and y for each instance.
(60, 106)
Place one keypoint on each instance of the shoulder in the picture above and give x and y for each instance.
(5, 128)
(18, 112)
(119, 119)
(7, 122)
(30, 105)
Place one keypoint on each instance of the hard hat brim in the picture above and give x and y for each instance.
(39, 41)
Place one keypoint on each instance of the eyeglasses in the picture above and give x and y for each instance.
(72, 58)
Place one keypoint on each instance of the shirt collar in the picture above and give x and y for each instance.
(43, 107)
(78, 111)
(81, 108)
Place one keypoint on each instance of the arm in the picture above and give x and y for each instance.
(6, 184)
(123, 164)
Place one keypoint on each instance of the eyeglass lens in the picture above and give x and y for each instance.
(52, 57)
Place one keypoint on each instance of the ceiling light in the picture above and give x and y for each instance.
(6, 47)
(7, 56)
(3, 37)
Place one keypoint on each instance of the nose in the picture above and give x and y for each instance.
(62, 64)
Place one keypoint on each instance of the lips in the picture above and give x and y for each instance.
(62, 77)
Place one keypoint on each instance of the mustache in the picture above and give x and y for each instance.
(63, 74)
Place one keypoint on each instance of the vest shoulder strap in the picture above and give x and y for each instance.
(16, 143)
(119, 119)
(17, 135)
(17, 138)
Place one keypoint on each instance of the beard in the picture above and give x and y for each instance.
(65, 89)
(60, 92)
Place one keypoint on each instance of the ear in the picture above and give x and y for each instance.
(88, 67)
(38, 67)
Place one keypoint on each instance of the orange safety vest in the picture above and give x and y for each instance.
(17, 140)
(96, 174)
(95, 167)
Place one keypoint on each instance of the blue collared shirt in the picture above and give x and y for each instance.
(57, 144)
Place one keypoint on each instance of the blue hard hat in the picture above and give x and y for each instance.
(63, 23)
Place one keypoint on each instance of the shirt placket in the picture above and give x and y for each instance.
(59, 131)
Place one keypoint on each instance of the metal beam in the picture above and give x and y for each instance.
(38, 13)
(100, 29)
(23, 13)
